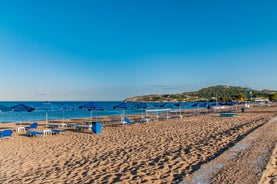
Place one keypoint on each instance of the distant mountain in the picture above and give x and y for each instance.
(213, 93)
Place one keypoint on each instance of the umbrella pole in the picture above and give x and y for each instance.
(46, 119)
(20, 118)
(180, 112)
(63, 116)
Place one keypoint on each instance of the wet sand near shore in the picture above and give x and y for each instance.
(170, 151)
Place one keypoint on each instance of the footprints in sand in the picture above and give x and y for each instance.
(155, 152)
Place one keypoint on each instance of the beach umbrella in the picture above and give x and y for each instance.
(48, 107)
(4, 108)
(21, 108)
(91, 106)
(167, 105)
(66, 107)
(144, 105)
(195, 105)
(156, 104)
(180, 104)
(123, 106)
(203, 105)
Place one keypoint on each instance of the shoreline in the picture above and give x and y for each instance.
(159, 151)
(185, 113)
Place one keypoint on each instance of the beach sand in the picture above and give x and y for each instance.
(171, 151)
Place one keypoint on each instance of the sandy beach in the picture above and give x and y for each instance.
(205, 148)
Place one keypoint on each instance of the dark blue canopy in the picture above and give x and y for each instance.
(122, 105)
(48, 107)
(66, 107)
(91, 106)
(200, 104)
(143, 105)
(22, 108)
(195, 105)
(167, 105)
(156, 104)
(203, 104)
(180, 104)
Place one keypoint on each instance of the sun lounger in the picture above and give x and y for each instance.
(33, 126)
(82, 127)
(71, 125)
(127, 121)
(57, 125)
(6, 133)
(57, 131)
(34, 133)
(228, 114)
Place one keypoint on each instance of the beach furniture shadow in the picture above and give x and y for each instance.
(57, 131)
(34, 133)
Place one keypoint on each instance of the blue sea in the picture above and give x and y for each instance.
(37, 115)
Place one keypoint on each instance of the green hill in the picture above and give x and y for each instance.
(221, 93)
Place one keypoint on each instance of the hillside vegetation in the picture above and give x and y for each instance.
(219, 93)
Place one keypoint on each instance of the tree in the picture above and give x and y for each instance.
(273, 97)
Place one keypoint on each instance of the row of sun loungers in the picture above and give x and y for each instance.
(57, 128)
(33, 133)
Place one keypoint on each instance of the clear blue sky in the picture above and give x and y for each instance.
(111, 50)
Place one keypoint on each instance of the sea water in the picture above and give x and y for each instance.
(39, 115)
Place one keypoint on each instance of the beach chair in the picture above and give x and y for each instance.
(127, 121)
(34, 133)
(57, 131)
(70, 125)
(57, 125)
(6, 133)
(228, 114)
(80, 128)
(145, 119)
(33, 126)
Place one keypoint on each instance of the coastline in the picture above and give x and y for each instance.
(158, 151)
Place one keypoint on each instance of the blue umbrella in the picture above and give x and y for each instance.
(144, 105)
(156, 104)
(203, 104)
(124, 106)
(180, 104)
(48, 107)
(167, 105)
(91, 106)
(21, 108)
(66, 107)
(195, 105)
